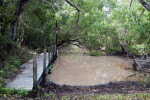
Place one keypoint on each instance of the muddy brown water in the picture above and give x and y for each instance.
(74, 68)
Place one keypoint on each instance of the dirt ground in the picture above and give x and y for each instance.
(111, 88)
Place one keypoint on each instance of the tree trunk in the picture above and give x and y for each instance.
(18, 13)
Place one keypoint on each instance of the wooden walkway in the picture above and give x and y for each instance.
(25, 79)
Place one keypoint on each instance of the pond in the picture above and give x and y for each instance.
(75, 67)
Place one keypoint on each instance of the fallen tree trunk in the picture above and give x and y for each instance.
(123, 47)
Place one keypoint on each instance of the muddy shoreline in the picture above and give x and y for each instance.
(111, 88)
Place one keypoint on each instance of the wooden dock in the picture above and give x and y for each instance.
(25, 79)
(35, 70)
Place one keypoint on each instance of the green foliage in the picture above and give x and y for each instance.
(21, 93)
(46, 95)
(139, 96)
(9, 92)
(65, 98)
(4, 43)
(41, 20)
(97, 26)
(95, 53)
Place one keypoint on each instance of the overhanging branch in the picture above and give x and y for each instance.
(145, 4)
(78, 10)
(130, 4)
(73, 5)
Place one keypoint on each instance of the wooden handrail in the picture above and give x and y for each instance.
(51, 58)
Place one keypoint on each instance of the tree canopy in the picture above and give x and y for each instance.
(95, 24)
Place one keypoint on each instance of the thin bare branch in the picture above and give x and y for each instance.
(73, 5)
(78, 10)
(130, 4)
(133, 74)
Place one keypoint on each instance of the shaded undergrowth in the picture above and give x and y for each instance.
(9, 69)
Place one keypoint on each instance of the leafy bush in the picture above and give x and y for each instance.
(9, 92)
(95, 53)
(3, 48)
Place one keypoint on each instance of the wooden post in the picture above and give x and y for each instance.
(48, 55)
(52, 53)
(55, 49)
(50, 59)
(35, 86)
(44, 60)
(57, 53)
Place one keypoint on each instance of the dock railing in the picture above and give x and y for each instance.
(52, 54)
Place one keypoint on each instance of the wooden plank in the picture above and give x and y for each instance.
(57, 53)
(55, 48)
(52, 53)
(44, 60)
(25, 78)
(35, 86)
(48, 54)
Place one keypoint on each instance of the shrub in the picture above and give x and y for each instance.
(95, 53)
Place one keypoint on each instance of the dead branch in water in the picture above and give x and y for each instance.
(133, 74)
(140, 66)
(136, 62)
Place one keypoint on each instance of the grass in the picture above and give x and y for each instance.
(139, 96)
(13, 93)
(49, 96)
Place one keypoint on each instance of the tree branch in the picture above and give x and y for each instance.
(73, 5)
(78, 10)
(130, 4)
(145, 4)
(133, 74)
(75, 44)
